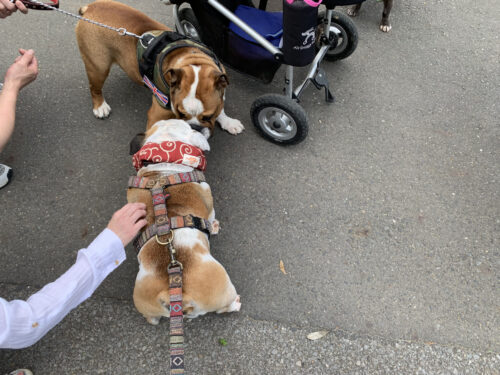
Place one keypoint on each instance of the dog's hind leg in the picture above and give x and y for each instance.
(385, 25)
(97, 72)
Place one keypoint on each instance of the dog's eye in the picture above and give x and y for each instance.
(206, 118)
(182, 116)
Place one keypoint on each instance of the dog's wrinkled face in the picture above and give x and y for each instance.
(197, 94)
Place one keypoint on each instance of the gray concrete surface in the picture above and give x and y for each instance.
(386, 218)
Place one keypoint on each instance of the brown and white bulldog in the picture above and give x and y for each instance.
(206, 284)
(196, 83)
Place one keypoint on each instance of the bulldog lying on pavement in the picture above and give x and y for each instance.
(193, 78)
(171, 184)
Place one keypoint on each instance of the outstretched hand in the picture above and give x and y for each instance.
(7, 7)
(128, 221)
(23, 71)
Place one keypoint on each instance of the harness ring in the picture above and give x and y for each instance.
(169, 241)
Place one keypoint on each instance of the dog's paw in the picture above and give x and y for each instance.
(231, 125)
(215, 227)
(103, 111)
(153, 320)
(385, 28)
(236, 305)
(352, 12)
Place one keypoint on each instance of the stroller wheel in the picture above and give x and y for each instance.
(279, 119)
(343, 34)
(189, 24)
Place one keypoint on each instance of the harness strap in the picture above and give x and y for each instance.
(176, 222)
(173, 179)
(176, 320)
(163, 225)
(160, 209)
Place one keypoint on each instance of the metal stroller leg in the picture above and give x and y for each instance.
(317, 76)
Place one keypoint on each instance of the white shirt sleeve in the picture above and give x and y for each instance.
(23, 323)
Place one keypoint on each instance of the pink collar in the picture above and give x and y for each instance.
(170, 152)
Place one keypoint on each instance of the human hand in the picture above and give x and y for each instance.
(127, 221)
(23, 71)
(7, 7)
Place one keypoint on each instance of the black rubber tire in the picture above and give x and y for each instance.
(187, 15)
(286, 106)
(349, 32)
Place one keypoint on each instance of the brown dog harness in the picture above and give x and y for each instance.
(162, 229)
(164, 225)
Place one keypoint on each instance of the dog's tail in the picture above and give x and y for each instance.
(82, 10)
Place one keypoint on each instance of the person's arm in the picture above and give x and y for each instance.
(7, 7)
(22, 72)
(22, 323)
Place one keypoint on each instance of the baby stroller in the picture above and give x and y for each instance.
(256, 42)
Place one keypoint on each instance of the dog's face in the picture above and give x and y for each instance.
(197, 94)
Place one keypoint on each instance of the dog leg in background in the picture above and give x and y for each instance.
(385, 25)
(97, 68)
(229, 124)
(97, 75)
(354, 10)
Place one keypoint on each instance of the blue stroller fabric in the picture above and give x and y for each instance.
(267, 24)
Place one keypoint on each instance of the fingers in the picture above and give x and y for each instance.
(132, 207)
(138, 213)
(21, 7)
(140, 224)
(28, 56)
(34, 64)
(7, 6)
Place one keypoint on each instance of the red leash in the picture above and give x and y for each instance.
(31, 5)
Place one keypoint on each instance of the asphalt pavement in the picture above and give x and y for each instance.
(386, 218)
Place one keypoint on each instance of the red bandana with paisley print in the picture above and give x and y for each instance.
(170, 152)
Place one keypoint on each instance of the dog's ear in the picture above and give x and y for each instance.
(136, 143)
(173, 77)
(221, 81)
